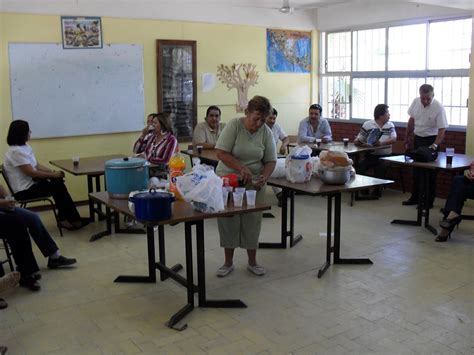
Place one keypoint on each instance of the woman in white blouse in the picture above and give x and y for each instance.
(29, 179)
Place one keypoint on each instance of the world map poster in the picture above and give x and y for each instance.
(288, 51)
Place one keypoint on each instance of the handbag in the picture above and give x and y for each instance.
(423, 154)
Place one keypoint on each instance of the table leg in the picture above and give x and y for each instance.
(100, 214)
(178, 316)
(201, 271)
(426, 177)
(108, 231)
(90, 189)
(326, 265)
(166, 272)
(285, 233)
(151, 278)
(337, 237)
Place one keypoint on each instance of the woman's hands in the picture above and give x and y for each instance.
(58, 174)
(245, 174)
(7, 203)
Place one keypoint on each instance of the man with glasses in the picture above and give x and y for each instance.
(428, 125)
(314, 127)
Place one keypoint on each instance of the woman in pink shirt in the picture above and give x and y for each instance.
(161, 147)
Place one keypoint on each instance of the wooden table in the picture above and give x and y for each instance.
(316, 187)
(181, 212)
(94, 168)
(460, 163)
(351, 149)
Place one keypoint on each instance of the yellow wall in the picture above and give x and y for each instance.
(216, 44)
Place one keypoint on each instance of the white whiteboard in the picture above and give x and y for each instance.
(77, 92)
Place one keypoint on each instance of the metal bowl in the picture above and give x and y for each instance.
(335, 176)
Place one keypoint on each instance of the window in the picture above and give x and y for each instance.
(363, 68)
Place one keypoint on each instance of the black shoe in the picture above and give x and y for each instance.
(59, 262)
(30, 283)
(3, 303)
(410, 202)
(449, 224)
(37, 277)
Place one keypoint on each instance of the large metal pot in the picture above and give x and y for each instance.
(153, 205)
(335, 176)
(124, 175)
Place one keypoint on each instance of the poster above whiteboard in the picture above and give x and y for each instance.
(73, 93)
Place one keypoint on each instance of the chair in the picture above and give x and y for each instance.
(24, 203)
(292, 140)
(9, 258)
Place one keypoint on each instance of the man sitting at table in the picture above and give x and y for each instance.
(206, 133)
(278, 134)
(376, 132)
(314, 127)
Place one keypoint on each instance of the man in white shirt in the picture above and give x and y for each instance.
(277, 131)
(314, 127)
(385, 130)
(278, 134)
(206, 133)
(428, 123)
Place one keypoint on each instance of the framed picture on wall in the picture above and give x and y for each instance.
(81, 32)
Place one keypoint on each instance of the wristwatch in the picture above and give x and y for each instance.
(434, 146)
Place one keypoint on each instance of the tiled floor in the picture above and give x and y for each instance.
(417, 298)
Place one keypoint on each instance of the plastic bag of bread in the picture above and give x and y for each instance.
(333, 159)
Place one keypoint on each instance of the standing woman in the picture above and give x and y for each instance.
(29, 179)
(246, 147)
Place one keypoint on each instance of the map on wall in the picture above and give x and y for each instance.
(288, 51)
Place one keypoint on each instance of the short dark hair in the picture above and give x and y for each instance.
(426, 89)
(213, 107)
(260, 104)
(18, 132)
(380, 110)
(274, 112)
(165, 121)
(316, 107)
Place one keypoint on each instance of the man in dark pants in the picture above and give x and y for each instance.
(428, 123)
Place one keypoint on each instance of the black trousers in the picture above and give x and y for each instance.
(415, 194)
(461, 190)
(56, 188)
(14, 231)
(372, 161)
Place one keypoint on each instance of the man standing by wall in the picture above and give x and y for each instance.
(428, 123)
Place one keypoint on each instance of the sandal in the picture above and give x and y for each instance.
(223, 271)
(256, 269)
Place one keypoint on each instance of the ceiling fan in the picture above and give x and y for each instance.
(286, 7)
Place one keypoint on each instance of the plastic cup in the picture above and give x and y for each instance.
(251, 196)
(318, 142)
(345, 141)
(199, 149)
(240, 190)
(449, 156)
(75, 161)
(225, 196)
(230, 189)
(238, 198)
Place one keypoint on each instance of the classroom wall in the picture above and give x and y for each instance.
(216, 44)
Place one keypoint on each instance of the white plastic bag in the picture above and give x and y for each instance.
(279, 171)
(202, 188)
(299, 165)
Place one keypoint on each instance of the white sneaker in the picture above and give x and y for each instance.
(223, 271)
(257, 270)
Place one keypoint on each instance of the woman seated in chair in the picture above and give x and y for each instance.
(29, 179)
(461, 189)
(37, 230)
(162, 145)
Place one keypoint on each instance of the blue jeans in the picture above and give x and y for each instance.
(37, 230)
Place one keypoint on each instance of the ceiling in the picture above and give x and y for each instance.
(307, 14)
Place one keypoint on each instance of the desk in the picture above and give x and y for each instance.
(207, 156)
(93, 167)
(181, 212)
(351, 149)
(460, 163)
(316, 187)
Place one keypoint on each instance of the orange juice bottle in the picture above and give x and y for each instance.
(176, 167)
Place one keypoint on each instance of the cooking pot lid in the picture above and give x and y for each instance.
(154, 195)
(125, 162)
